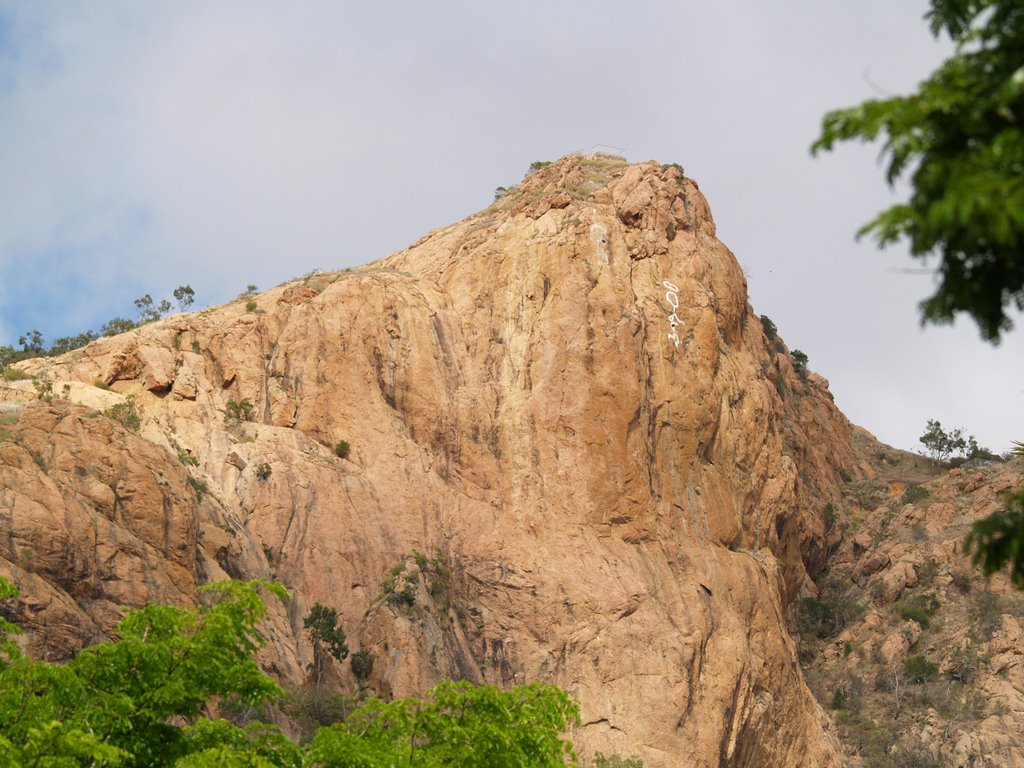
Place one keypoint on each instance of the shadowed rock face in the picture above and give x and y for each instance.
(567, 398)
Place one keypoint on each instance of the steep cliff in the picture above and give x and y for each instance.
(618, 482)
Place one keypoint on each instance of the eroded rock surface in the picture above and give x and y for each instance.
(924, 663)
(565, 400)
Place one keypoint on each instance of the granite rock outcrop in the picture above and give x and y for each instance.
(573, 456)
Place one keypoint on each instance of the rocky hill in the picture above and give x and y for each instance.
(549, 442)
(906, 643)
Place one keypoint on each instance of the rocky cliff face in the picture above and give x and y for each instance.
(919, 658)
(617, 482)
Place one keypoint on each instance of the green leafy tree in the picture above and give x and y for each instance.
(9, 651)
(32, 342)
(125, 703)
(117, 325)
(998, 541)
(126, 413)
(219, 744)
(800, 361)
(960, 140)
(941, 444)
(238, 410)
(68, 343)
(327, 637)
(184, 295)
(140, 701)
(362, 666)
(454, 724)
(919, 670)
(149, 311)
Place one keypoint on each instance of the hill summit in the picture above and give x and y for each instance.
(549, 442)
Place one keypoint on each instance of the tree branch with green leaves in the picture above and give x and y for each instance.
(959, 141)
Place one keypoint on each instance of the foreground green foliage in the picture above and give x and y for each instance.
(141, 701)
(998, 540)
(960, 141)
(114, 703)
(455, 724)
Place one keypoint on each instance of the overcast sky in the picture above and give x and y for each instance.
(147, 145)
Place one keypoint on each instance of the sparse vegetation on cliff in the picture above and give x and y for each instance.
(400, 586)
(800, 363)
(923, 650)
(328, 639)
(236, 411)
(125, 413)
(362, 666)
(33, 343)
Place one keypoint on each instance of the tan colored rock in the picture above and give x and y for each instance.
(862, 542)
(871, 564)
(978, 713)
(186, 384)
(889, 586)
(88, 395)
(158, 368)
(80, 518)
(895, 647)
(572, 409)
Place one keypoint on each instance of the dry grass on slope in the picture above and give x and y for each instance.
(919, 661)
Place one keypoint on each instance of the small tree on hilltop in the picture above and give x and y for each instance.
(941, 445)
(32, 342)
(116, 325)
(184, 295)
(150, 312)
